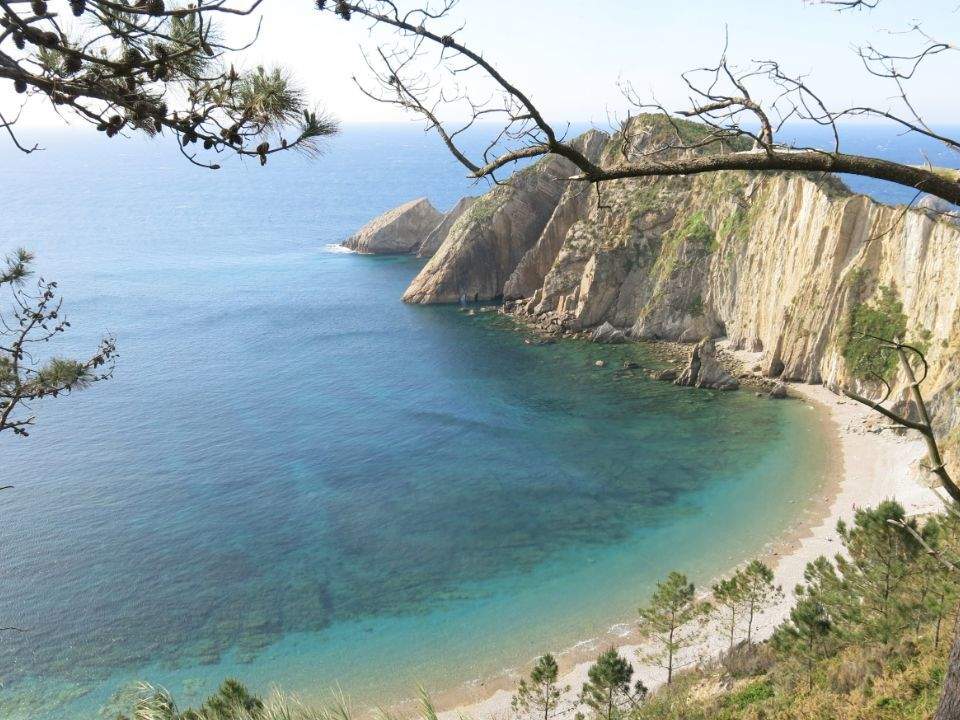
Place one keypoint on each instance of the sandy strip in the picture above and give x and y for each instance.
(874, 463)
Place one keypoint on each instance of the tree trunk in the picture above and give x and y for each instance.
(950, 699)
(670, 659)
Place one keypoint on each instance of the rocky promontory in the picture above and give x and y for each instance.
(488, 242)
(398, 231)
(434, 239)
(788, 266)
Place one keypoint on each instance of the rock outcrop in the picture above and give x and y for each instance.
(432, 242)
(778, 391)
(704, 370)
(607, 333)
(488, 242)
(398, 231)
(781, 264)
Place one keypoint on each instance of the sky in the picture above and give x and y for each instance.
(570, 54)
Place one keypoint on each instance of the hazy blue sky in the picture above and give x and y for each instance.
(569, 54)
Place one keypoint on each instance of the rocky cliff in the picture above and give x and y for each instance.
(434, 239)
(791, 266)
(398, 231)
(488, 242)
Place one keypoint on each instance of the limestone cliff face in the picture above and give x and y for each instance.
(397, 231)
(432, 242)
(780, 264)
(487, 243)
(777, 263)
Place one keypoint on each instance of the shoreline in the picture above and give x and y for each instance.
(868, 461)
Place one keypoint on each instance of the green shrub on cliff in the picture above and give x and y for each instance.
(736, 225)
(696, 230)
(883, 317)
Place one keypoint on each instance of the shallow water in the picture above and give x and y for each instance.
(296, 479)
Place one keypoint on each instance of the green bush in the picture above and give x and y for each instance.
(882, 317)
(751, 694)
(695, 229)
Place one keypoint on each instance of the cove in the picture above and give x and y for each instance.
(296, 479)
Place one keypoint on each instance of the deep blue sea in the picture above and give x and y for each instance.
(295, 479)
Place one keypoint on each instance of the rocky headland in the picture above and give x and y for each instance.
(398, 231)
(782, 265)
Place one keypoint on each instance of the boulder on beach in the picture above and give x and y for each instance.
(397, 232)
(607, 333)
(779, 391)
(704, 369)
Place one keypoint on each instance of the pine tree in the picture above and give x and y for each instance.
(34, 319)
(540, 695)
(728, 595)
(673, 619)
(152, 68)
(757, 591)
(609, 684)
(806, 633)
(877, 567)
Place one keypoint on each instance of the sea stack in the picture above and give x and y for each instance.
(397, 232)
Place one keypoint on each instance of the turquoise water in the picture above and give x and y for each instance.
(296, 479)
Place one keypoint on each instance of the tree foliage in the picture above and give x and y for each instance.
(673, 619)
(874, 591)
(749, 591)
(608, 688)
(539, 695)
(34, 319)
(155, 67)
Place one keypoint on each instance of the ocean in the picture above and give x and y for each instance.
(294, 479)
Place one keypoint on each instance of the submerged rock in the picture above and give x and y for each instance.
(705, 371)
(398, 231)
(667, 375)
(607, 333)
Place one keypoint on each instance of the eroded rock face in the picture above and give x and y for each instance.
(533, 267)
(398, 231)
(436, 237)
(607, 333)
(704, 369)
(777, 263)
(488, 242)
